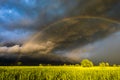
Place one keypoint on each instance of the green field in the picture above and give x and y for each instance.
(59, 73)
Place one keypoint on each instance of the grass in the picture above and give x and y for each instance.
(58, 73)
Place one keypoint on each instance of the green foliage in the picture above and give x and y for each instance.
(77, 65)
(19, 63)
(40, 65)
(86, 63)
(103, 64)
(107, 64)
(59, 73)
(114, 65)
(65, 65)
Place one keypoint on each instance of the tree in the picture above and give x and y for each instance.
(114, 65)
(65, 64)
(86, 63)
(103, 64)
(19, 63)
(77, 65)
(40, 65)
(48, 64)
(107, 64)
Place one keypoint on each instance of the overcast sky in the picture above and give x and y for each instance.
(22, 20)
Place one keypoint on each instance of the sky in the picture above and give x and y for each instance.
(37, 28)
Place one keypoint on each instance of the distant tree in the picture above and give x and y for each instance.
(48, 64)
(11, 64)
(40, 65)
(103, 64)
(65, 64)
(77, 65)
(114, 65)
(19, 63)
(107, 64)
(86, 63)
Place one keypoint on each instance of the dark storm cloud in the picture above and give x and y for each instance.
(77, 31)
(12, 59)
(107, 49)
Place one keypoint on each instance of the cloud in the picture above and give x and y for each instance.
(79, 40)
(24, 25)
(33, 15)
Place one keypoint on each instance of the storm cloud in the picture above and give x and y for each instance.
(60, 27)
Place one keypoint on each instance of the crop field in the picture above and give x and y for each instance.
(59, 73)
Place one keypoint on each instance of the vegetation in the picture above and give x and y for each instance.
(83, 71)
(19, 63)
(86, 63)
(59, 73)
(103, 64)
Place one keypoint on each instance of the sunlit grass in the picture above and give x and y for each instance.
(59, 73)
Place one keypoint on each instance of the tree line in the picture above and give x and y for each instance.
(88, 63)
(83, 63)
